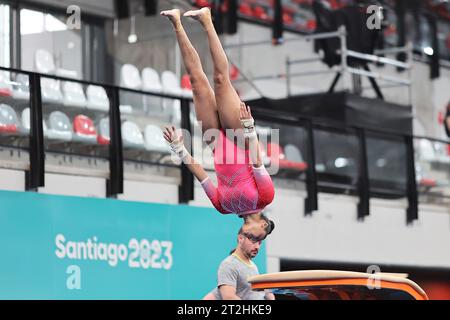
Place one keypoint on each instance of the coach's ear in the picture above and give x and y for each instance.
(240, 239)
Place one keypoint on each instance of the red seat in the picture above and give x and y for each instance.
(260, 13)
(311, 24)
(186, 82)
(425, 182)
(234, 72)
(103, 140)
(103, 132)
(246, 10)
(84, 126)
(276, 154)
(8, 128)
(202, 3)
(287, 18)
(9, 122)
(4, 92)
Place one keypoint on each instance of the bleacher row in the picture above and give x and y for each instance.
(262, 10)
(82, 129)
(57, 125)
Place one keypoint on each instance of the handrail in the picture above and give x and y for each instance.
(105, 85)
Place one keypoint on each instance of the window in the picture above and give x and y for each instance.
(432, 171)
(41, 31)
(337, 158)
(4, 36)
(387, 163)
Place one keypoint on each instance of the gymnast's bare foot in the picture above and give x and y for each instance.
(202, 15)
(174, 17)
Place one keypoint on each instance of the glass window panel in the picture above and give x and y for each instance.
(47, 45)
(337, 157)
(4, 36)
(14, 120)
(433, 171)
(387, 165)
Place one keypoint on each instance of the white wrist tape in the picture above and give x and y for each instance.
(179, 149)
(249, 128)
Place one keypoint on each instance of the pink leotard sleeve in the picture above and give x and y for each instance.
(213, 193)
(265, 187)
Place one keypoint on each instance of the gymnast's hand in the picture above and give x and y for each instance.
(247, 121)
(175, 141)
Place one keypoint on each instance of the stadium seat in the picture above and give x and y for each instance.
(170, 82)
(260, 13)
(151, 82)
(276, 153)
(130, 77)
(25, 121)
(44, 62)
(294, 156)
(97, 99)
(5, 85)
(171, 85)
(245, 9)
(21, 87)
(84, 129)
(74, 95)
(59, 126)
(186, 85)
(154, 139)
(103, 136)
(131, 135)
(186, 82)
(9, 123)
(50, 91)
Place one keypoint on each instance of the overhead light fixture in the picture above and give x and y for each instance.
(132, 38)
(115, 27)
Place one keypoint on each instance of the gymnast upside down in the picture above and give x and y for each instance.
(244, 187)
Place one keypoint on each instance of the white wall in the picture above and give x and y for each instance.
(334, 234)
(150, 192)
(70, 185)
(12, 180)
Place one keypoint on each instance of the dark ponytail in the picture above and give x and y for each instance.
(270, 227)
(270, 224)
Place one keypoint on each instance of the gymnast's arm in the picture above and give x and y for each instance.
(176, 144)
(262, 178)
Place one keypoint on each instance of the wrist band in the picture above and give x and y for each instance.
(179, 149)
(249, 128)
